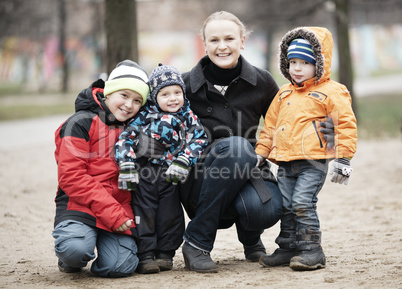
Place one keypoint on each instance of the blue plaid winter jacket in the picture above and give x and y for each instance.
(180, 132)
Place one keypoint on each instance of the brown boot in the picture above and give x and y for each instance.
(164, 261)
(147, 265)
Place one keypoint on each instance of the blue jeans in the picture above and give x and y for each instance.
(75, 245)
(224, 195)
(300, 182)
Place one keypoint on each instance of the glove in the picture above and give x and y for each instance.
(340, 170)
(260, 161)
(148, 147)
(178, 170)
(128, 176)
(328, 131)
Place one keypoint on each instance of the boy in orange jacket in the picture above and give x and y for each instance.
(291, 138)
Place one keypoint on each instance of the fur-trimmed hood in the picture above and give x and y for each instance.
(321, 41)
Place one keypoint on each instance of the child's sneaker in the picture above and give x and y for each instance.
(67, 269)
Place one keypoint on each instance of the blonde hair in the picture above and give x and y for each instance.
(224, 15)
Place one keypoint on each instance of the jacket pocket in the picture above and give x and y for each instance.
(318, 135)
(317, 96)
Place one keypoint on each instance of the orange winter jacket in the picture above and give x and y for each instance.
(292, 124)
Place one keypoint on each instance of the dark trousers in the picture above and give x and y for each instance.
(220, 194)
(158, 213)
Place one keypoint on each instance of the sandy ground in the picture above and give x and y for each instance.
(361, 226)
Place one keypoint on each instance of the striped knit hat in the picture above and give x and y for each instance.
(301, 48)
(128, 75)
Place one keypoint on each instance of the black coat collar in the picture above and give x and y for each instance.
(197, 78)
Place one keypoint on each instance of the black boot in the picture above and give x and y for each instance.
(280, 257)
(198, 260)
(286, 251)
(310, 255)
(147, 265)
(253, 253)
(165, 260)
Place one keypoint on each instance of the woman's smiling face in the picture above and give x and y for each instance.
(223, 42)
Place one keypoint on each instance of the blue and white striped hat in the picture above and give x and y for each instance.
(301, 48)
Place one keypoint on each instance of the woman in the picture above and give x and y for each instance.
(229, 95)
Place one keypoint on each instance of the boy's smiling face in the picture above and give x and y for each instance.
(170, 98)
(124, 104)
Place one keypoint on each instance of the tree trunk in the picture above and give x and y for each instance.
(345, 59)
(62, 46)
(121, 32)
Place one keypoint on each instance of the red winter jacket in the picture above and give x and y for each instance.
(87, 172)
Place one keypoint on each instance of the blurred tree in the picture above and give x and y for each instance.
(121, 32)
(345, 59)
(275, 15)
(62, 47)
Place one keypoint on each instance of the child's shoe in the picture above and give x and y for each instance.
(67, 269)
(308, 259)
(280, 257)
(147, 265)
(165, 260)
(310, 255)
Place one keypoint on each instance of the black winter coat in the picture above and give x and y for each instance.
(238, 112)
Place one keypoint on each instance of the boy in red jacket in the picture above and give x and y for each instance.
(91, 211)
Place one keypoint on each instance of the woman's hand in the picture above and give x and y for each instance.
(125, 226)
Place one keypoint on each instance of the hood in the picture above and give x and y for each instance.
(91, 99)
(321, 41)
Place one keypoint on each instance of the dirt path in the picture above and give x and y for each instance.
(361, 226)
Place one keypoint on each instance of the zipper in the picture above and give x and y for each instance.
(316, 131)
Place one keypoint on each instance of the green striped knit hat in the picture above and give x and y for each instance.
(128, 75)
(301, 48)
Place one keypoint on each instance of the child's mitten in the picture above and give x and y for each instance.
(260, 161)
(340, 170)
(327, 128)
(128, 176)
(178, 170)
